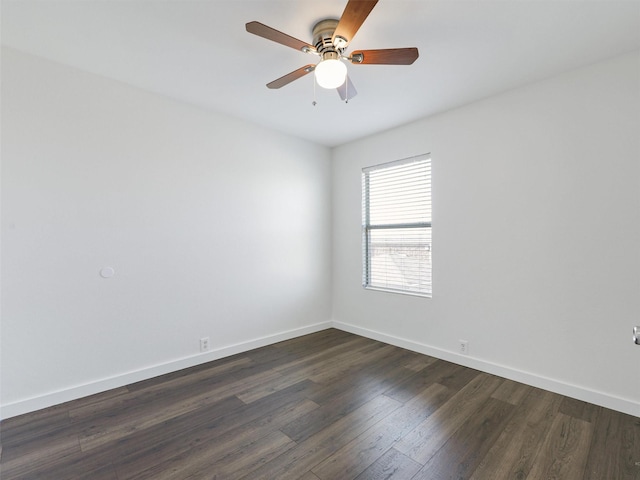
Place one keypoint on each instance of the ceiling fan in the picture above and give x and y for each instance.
(330, 40)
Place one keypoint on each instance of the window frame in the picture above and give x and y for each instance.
(368, 228)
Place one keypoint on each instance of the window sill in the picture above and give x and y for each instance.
(400, 292)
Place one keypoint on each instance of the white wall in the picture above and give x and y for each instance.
(536, 235)
(214, 227)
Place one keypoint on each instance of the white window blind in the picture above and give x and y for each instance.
(396, 226)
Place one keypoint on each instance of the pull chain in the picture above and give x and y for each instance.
(314, 103)
(346, 89)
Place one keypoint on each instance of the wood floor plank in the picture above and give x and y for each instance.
(392, 464)
(135, 452)
(379, 376)
(315, 342)
(247, 458)
(21, 440)
(630, 446)
(197, 463)
(40, 454)
(428, 437)
(29, 440)
(341, 397)
(145, 441)
(309, 367)
(579, 409)
(85, 468)
(563, 453)
(513, 454)
(460, 455)
(154, 391)
(312, 360)
(512, 392)
(268, 387)
(212, 452)
(102, 472)
(366, 449)
(309, 476)
(419, 362)
(189, 376)
(434, 373)
(459, 377)
(131, 420)
(355, 360)
(21, 434)
(327, 361)
(308, 453)
(615, 447)
(269, 410)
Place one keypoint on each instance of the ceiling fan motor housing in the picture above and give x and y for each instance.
(322, 39)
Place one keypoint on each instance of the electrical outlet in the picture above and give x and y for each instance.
(204, 344)
(463, 346)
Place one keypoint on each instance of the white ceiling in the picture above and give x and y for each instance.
(199, 52)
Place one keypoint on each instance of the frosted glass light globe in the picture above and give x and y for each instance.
(331, 73)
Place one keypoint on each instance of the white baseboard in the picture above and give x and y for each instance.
(102, 385)
(598, 398)
(54, 398)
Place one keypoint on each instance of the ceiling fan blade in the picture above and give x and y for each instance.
(387, 56)
(274, 35)
(355, 13)
(290, 77)
(347, 91)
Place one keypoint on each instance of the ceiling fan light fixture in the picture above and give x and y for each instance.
(330, 73)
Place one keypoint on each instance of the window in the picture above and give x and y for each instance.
(396, 226)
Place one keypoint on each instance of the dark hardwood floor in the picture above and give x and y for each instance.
(327, 406)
